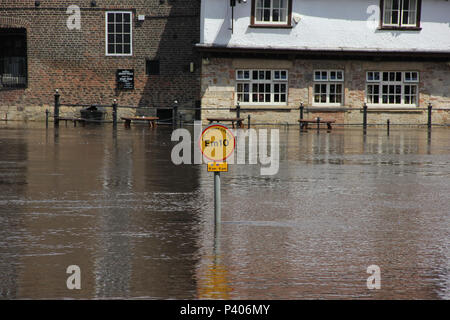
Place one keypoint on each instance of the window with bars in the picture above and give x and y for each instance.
(119, 33)
(328, 87)
(13, 58)
(392, 88)
(401, 13)
(262, 87)
(276, 12)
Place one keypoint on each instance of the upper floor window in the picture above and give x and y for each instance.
(392, 87)
(328, 87)
(262, 87)
(271, 12)
(119, 33)
(401, 13)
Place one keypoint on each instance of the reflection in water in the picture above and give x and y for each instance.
(13, 171)
(111, 202)
(213, 284)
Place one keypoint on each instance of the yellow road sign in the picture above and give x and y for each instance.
(217, 142)
(217, 167)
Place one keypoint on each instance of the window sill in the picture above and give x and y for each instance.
(272, 26)
(392, 28)
(277, 108)
(12, 88)
(393, 109)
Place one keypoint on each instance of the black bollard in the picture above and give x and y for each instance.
(388, 126)
(46, 118)
(175, 113)
(56, 111)
(114, 113)
(430, 107)
(318, 123)
(248, 123)
(365, 117)
(238, 111)
(301, 110)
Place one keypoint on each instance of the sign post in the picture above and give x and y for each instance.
(217, 143)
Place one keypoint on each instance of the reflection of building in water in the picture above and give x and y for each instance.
(147, 238)
(13, 180)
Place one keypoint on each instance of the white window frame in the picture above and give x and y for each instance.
(286, 22)
(401, 11)
(402, 82)
(106, 35)
(325, 79)
(242, 79)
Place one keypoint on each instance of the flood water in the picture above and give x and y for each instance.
(140, 227)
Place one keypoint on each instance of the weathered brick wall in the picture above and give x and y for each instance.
(74, 61)
(218, 89)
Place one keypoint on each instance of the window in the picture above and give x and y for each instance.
(13, 58)
(328, 87)
(401, 13)
(152, 67)
(261, 87)
(392, 87)
(271, 12)
(118, 33)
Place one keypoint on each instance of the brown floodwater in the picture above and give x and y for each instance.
(140, 227)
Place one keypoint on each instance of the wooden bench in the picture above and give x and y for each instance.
(74, 120)
(239, 121)
(304, 123)
(150, 120)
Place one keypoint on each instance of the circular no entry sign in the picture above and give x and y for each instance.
(217, 142)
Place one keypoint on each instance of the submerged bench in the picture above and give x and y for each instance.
(74, 120)
(239, 121)
(150, 120)
(304, 123)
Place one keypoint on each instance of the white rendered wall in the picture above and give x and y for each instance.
(326, 24)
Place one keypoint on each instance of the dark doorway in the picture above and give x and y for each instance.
(13, 58)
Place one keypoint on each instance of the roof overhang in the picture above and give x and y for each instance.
(328, 53)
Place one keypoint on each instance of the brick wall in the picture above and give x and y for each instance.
(74, 61)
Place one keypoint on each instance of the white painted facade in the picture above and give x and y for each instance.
(326, 25)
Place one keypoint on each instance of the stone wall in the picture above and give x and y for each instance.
(218, 91)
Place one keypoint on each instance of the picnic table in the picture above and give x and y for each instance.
(304, 123)
(150, 120)
(239, 121)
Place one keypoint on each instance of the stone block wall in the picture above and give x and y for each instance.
(218, 90)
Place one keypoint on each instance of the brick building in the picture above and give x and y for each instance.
(41, 49)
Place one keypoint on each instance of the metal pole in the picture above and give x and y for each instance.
(46, 118)
(365, 117)
(318, 123)
(238, 111)
(301, 110)
(217, 200)
(248, 122)
(388, 125)
(114, 113)
(56, 111)
(430, 107)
